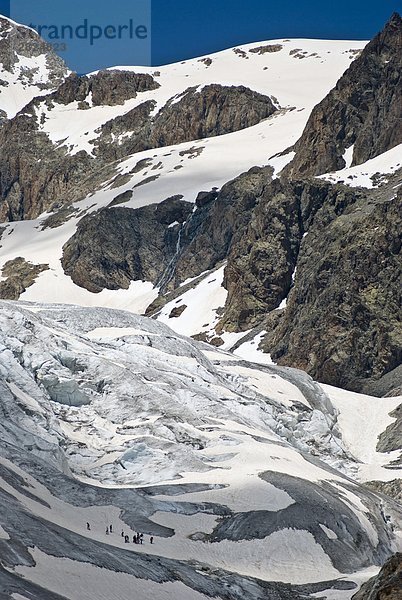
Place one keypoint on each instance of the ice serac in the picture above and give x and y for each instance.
(363, 111)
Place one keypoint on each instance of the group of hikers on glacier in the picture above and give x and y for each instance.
(138, 538)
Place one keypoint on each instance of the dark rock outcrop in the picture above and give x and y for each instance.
(60, 177)
(389, 384)
(269, 48)
(214, 110)
(207, 236)
(341, 321)
(387, 585)
(389, 488)
(107, 88)
(20, 275)
(133, 127)
(263, 257)
(201, 240)
(364, 110)
(34, 175)
(391, 438)
(115, 246)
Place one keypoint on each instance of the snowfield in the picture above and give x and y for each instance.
(374, 171)
(240, 471)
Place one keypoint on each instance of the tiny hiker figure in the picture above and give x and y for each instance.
(122, 533)
(111, 528)
(88, 527)
(107, 530)
(151, 539)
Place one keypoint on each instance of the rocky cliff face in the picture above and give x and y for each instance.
(196, 114)
(341, 321)
(263, 257)
(387, 585)
(213, 110)
(169, 233)
(331, 250)
(208, 235)
(363, 111)
(18, 276)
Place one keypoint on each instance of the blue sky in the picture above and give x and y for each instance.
(183, 29)
(186, 28)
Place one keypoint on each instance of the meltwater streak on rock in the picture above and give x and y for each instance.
(113, 247)
(168, 274)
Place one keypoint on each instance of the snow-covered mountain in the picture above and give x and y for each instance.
(139, 189)
(247, 202)
(245, 475)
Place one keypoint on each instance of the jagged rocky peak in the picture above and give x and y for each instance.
(27, 62)
(362, 114)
